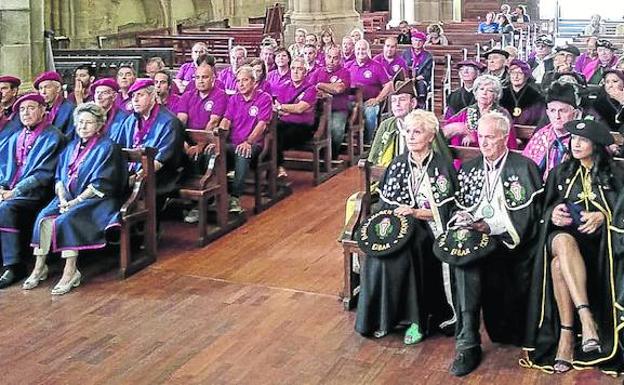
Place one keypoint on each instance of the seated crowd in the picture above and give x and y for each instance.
(548, 207)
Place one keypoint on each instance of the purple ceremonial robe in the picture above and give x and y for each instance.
(581, 62)
(228, 78)
(200, 108)
(289, 94)
(419, 63)
(340, 102)
(393, 66)
(186, 72)
(114, 119)
(370, 76)
(594, 66)
(62, 116)
(547, 149)
(28, 168)
(245, 114)
(276, 80)
(164, 133)
(100, 165)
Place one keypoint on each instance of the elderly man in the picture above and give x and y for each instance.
(187, 71)
(348, 51)
(50, 86)
(26, 180)
(462, 97)
(496, 60)
(335, 80)
(281, 73)
(153, 126)
(295, 104)
(607, 59)
(104, 92)
(499, 195)
(389, 59)
(550, 145)
(126, 76)
(248, 113)
(84, 75)
(238, 54)
(375, 84)
(562, 63)
(9, 88)
(167, 98)
(543, 48)
(419, 62)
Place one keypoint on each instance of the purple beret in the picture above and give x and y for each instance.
(416, 34)
(48, 75)
(475, 64)
(106, 82)
(140, 84)
(34, 96)
(10, 79)
(524, 67)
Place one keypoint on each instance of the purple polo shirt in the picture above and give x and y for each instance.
(340, 102)
(173, 103)
(391, 67)
(289, 94)
(347, 61)
(312, 74)
(369, 76)
(245, 114)
(228, 78)
(186, 72)
(276, 80)
(199, 109)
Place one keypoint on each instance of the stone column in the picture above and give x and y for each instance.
(21, 38)
(315, 15)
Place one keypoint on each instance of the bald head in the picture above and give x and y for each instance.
(204, 78)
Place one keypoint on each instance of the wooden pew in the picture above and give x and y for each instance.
(524, 134)
(139, 209)
(210, 184)
(355, 128)
(167, 54)
(319, 146)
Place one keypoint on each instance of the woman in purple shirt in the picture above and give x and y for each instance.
(281, 74)
(260, 74)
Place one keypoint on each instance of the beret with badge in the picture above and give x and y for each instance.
(384, 233)
(462, 245)
(595, 131)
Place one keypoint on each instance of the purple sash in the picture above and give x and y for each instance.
(55, 107)
(77, 158)
(143, 128)
(110, 116)
(24, 145)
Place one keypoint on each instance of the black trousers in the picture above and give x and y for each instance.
(291, 135)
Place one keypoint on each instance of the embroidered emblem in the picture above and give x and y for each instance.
(253, 111)
(383, 228)
(395, 68)
(208, 105)
(368, 74)
(442, 184)
(516, 193)
(580, 126)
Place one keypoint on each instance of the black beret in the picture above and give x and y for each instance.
(498, 51)
(462, 247)
(565, 93)
(546, 40)
(385, 233)
(569, 48)
(595, 131)
(604, 43)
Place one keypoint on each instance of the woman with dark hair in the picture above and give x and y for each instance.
(260, 74)
(575, 270)
(505, 28)
(327, 42)
(520, 15)
(281, 73)
(435, 35)
(609, 105)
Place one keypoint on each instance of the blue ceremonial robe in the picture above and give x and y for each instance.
(32, 188)
(64, 119)
(84, 225)
(9, 128)
(115, 126)
(166, 137)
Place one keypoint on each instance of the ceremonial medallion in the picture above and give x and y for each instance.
(517, 112)
(487, 212)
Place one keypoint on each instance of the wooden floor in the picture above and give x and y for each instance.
(259, 306)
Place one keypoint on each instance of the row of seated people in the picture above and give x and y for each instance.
(530, 239)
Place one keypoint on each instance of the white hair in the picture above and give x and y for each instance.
(489, 79)
(500, 121)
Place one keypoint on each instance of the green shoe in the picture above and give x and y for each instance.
(412, 335)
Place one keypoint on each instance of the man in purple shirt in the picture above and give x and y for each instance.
(335, 80)
(370, 76)
(162, 81)
(126, 76)
(84, 76)
(281, 74)
(238, 55)
(186, 72)
(348, 54)
(203, 108)
(295, 104)
(247, 115)
(309, 57)
(389, 59)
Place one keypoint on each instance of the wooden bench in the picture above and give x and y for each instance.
(355, 128)
(201, 187)
(139, 209)
(167, 54)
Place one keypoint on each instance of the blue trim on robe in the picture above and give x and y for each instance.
(118, 119)
(64, 119)
(11, 127)
(166, 137)
(40, 166)
(84, 225)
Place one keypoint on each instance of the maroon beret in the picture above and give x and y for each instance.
(10, 79)
(416, 34)
(140, 84)
(524, 67)
(106, 82)
(34, 96)
(48, 75)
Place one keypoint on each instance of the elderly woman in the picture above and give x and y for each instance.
(575, 269)
(525, 104)
(461, 129)
(410, 287)
(609, 106)
(90, 178)
(356, 35)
